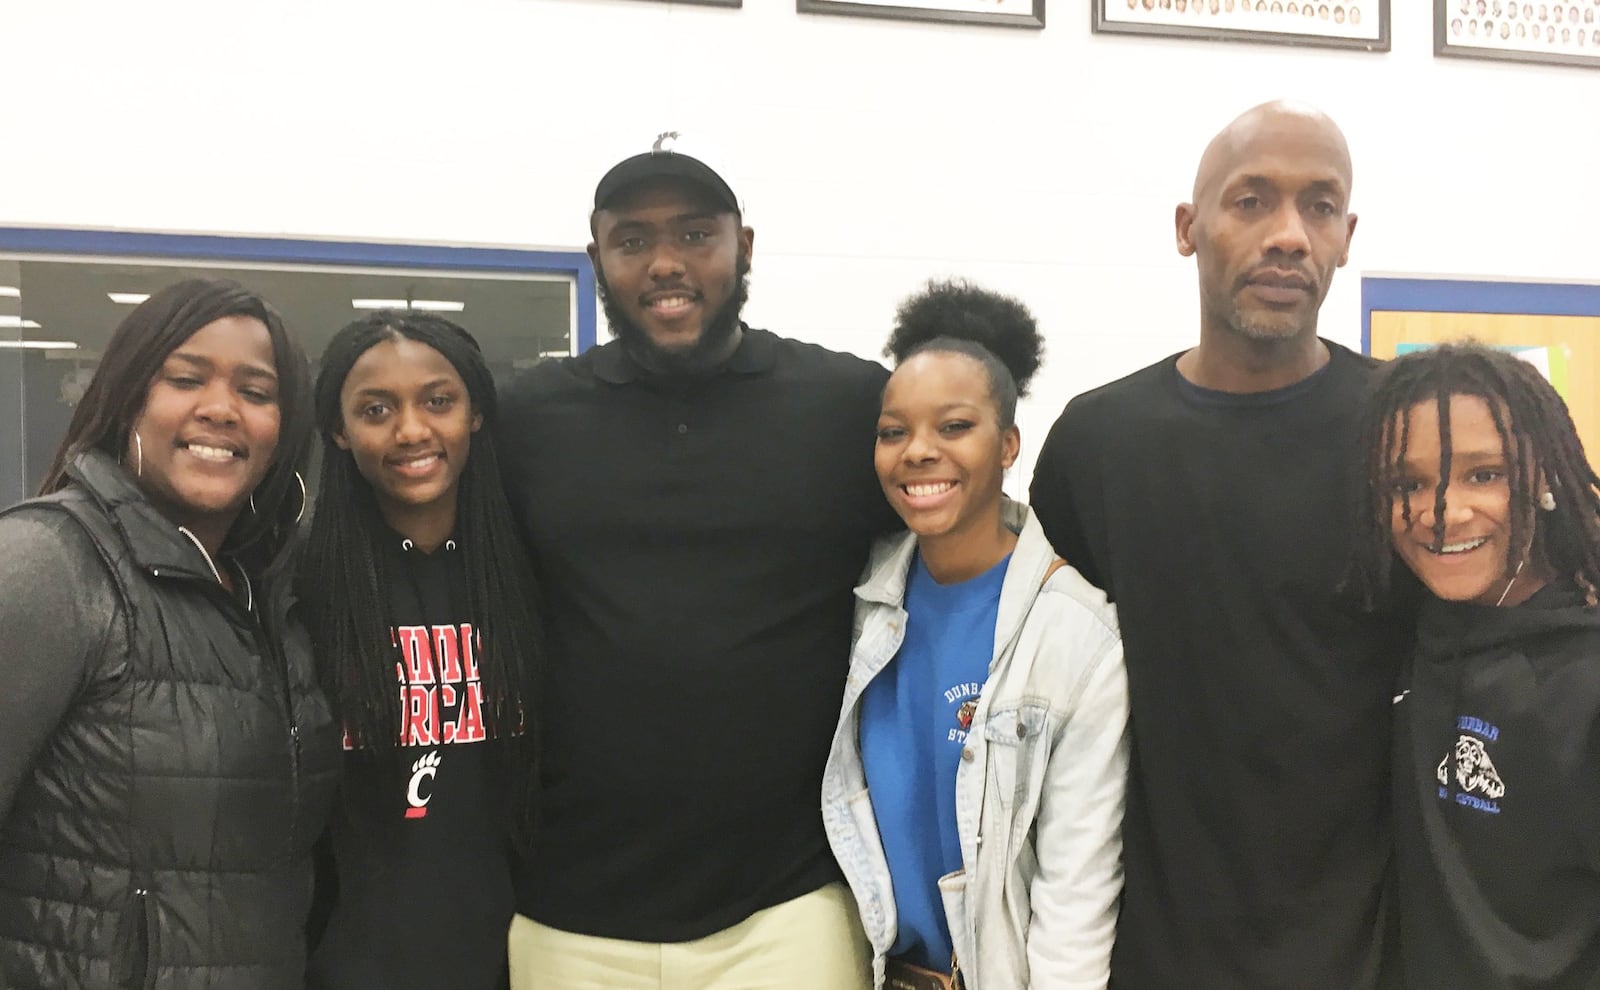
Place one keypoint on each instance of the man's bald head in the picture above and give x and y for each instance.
(1278, 122)
(1269, 224)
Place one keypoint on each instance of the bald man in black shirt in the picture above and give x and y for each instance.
(1208, 496)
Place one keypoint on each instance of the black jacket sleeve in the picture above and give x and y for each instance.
(58, 607)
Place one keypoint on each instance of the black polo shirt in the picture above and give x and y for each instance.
(697, 541)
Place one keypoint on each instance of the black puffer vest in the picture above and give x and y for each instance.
(163, 839)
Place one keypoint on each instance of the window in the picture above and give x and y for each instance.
(63, 292)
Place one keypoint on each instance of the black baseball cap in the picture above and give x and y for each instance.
(662, 162)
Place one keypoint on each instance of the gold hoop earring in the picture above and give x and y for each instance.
(138, 455)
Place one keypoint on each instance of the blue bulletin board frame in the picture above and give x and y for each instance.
(1393, 294)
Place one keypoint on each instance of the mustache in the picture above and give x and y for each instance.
(608, 298)
(1279, 272)
(676, 288)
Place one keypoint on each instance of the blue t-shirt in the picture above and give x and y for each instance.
(914, 720)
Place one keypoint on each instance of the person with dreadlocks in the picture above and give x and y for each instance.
(420, 605)
(1476, 480)
(982, 665)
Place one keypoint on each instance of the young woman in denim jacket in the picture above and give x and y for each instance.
(974, 791)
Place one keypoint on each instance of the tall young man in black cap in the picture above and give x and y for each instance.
(1208, 496)
(699, 497)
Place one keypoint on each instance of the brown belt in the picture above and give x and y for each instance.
(906, 976)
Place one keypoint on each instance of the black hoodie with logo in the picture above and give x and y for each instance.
(1497, 819)
(423, 897)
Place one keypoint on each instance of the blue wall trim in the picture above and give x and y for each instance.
(282, 250)
(1433, 295)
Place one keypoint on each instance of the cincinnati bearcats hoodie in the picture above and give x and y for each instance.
(1497, 823)
(421, 853)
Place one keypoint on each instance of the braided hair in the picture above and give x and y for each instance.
(343, 574)
(956, 317)
(1540, 443)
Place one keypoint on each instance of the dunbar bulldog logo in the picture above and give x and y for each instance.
(1478, 783)
(964, 699)
(965, 713)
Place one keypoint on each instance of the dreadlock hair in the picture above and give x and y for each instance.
(104, 418)
(343, 574)
(1540, 443)
(954, 316)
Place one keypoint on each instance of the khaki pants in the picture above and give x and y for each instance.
(813, 942)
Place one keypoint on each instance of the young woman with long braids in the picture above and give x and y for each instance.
(974, 792)
(422, 616)
(1476, 479)
(166, 758)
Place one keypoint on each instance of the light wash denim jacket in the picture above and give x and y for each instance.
(1039, 790)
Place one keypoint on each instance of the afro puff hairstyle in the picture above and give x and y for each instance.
(997, 331)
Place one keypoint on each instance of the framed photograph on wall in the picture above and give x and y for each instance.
(1362, 24)
(1565, 32)
(1005, 13)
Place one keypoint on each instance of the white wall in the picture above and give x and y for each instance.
(872, 154)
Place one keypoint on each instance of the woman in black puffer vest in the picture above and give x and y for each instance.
(166, 759)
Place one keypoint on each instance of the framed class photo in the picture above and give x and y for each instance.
(1362, 24)
(1004, 13)
(1566, 32)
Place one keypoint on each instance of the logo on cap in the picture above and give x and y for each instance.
(662, 139)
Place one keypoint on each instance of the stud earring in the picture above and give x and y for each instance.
(1547, 501)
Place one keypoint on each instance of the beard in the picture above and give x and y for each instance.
(705, 354)
(1268, 327)
(1260, 325)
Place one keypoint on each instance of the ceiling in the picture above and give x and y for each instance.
(515, 317)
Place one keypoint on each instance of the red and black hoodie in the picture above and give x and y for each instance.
(421, 854)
